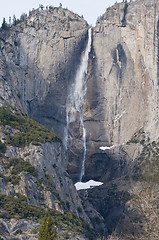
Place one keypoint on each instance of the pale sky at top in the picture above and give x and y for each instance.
(90, 9)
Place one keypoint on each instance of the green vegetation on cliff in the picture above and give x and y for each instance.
(47, 229)
(147, 167)
(16, 206)
(28, 130)
(16, 167)
(2, 148)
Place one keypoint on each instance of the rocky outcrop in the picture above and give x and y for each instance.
(18, 229)
(39, 58)
(51, 183)
(122, 91)
(121, 114)
(44, 185)
(128, 199)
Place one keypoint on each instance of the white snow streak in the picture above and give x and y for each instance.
(118, 117)
(87, 185)
(106, 148)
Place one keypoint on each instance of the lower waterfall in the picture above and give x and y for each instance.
(76, 99)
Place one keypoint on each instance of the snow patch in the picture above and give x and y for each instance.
(87, 185)
(117, 117)
(106, 148)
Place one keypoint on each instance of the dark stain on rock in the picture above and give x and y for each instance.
(92, 85)
(114, 55)
(120, 60)
(122, 55)
(124, 16)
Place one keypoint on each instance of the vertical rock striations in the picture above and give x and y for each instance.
(75, 130)
(39, 61)
(123, 90)
(122, 119)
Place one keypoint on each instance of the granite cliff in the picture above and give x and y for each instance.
(39, 60)
(122, 118)
(122, 90)
(38, 63)
(34, 181)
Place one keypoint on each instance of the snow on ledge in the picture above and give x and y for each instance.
(118, 117)
(87, 185)
(106, 148)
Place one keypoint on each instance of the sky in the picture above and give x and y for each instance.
(90, 9)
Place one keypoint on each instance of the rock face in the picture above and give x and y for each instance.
(50, 188)
(39, 58)
(122, 115)
(123, 90)
(38, 63)
(50, 164)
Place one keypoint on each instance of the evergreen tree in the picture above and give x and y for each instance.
(14, 20)
(47, 230)
(10, 24)
(41, 6)
(4, 24)
(23, 17)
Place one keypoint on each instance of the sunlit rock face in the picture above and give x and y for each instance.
(123, 80)
(39, 59)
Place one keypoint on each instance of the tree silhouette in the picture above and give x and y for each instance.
(41, 6)
(23, 17)
(47, 230)
(4, 24)
(10, 21)
(14, 20)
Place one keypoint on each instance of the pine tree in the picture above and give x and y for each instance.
(4, 25)
(23, 17)
(10, 24)
(47, 230)
(14, 20)
(41, 6)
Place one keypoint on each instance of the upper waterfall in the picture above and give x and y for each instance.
(76, 99)
(80, 85)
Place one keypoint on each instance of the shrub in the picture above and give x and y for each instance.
(15, 179)
(48, 182)
(19, 165)
(2, 148)
(79, 210)
(29, 130)
(18, 94)
(19, 231)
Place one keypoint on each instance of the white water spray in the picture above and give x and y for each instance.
(75, 101)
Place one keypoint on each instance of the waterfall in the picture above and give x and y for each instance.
(75, 101)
